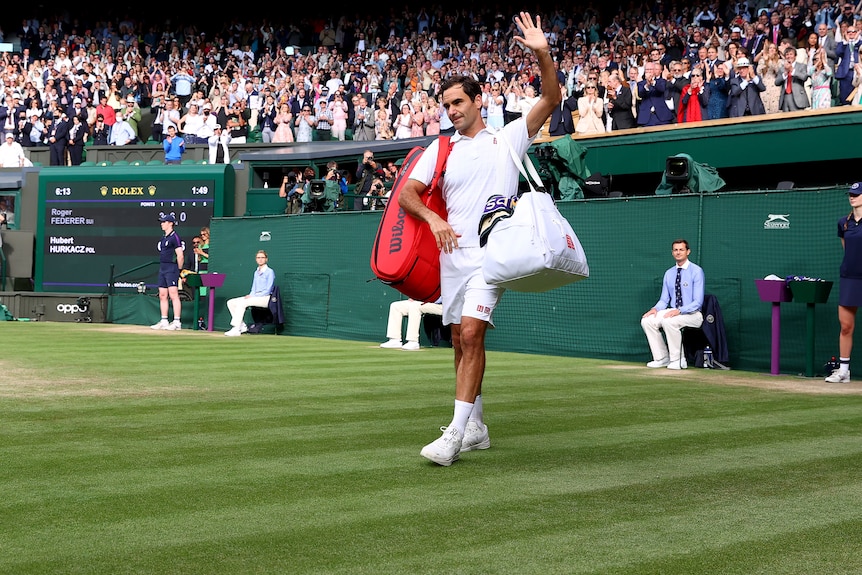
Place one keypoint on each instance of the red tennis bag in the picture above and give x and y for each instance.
(405, 254)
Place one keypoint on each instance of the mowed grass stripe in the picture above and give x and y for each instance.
(324, 477)
(535, 523)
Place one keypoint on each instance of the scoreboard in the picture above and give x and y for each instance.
(97, 221)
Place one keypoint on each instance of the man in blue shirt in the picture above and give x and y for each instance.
(174, 147)
(678, 307)
(170, 263)
(261, 288)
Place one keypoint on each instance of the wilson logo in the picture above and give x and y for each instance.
(569, 243)
(397, 233)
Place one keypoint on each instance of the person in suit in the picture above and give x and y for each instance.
(653, 110)
(78, 134)
(674, 86)
(826, 41)
(712, 60)
(100, 131)
(634, 76)
(745, 89)
(561, 118)
(78, 110)
(58, 138)
(848, 55)
(620, 104)
(757, 43)
(793, 96)
(777, 31)
(363, 121)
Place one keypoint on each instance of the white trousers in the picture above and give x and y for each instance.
(237, 306)
(672, 326)
(413, 310)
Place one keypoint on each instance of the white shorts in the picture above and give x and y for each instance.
(463, 287)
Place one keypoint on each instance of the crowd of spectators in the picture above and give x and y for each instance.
(260, 81)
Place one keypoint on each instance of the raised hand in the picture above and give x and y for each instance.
(533, 37)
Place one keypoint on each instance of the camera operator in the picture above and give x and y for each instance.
(366, 173)
(292, 188)
(325, 194)
(336, 175)
(377, 197)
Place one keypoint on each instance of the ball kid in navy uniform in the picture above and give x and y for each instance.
(170, 263)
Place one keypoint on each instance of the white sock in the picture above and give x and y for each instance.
(476, 414)
(844, 364)
(462, 412)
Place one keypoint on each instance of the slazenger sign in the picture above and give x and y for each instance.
(71, 308)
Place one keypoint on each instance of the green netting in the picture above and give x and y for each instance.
(322, 265)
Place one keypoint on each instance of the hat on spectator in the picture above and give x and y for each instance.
(130, 98)
(168, 218)
(11, 135)
(736, 29)
(76, 101)
(743, 63)
(208, 106)
(855, 189)
(217, 127)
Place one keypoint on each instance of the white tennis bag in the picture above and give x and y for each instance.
(535, 249)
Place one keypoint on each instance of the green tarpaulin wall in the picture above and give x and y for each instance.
(322, 266)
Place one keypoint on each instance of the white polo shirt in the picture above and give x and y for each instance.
(477, 169)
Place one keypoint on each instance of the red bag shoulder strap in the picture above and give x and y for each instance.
(444, 146)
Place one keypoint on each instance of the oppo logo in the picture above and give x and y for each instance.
(71, 308)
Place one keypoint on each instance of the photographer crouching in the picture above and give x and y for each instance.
(377, 197)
